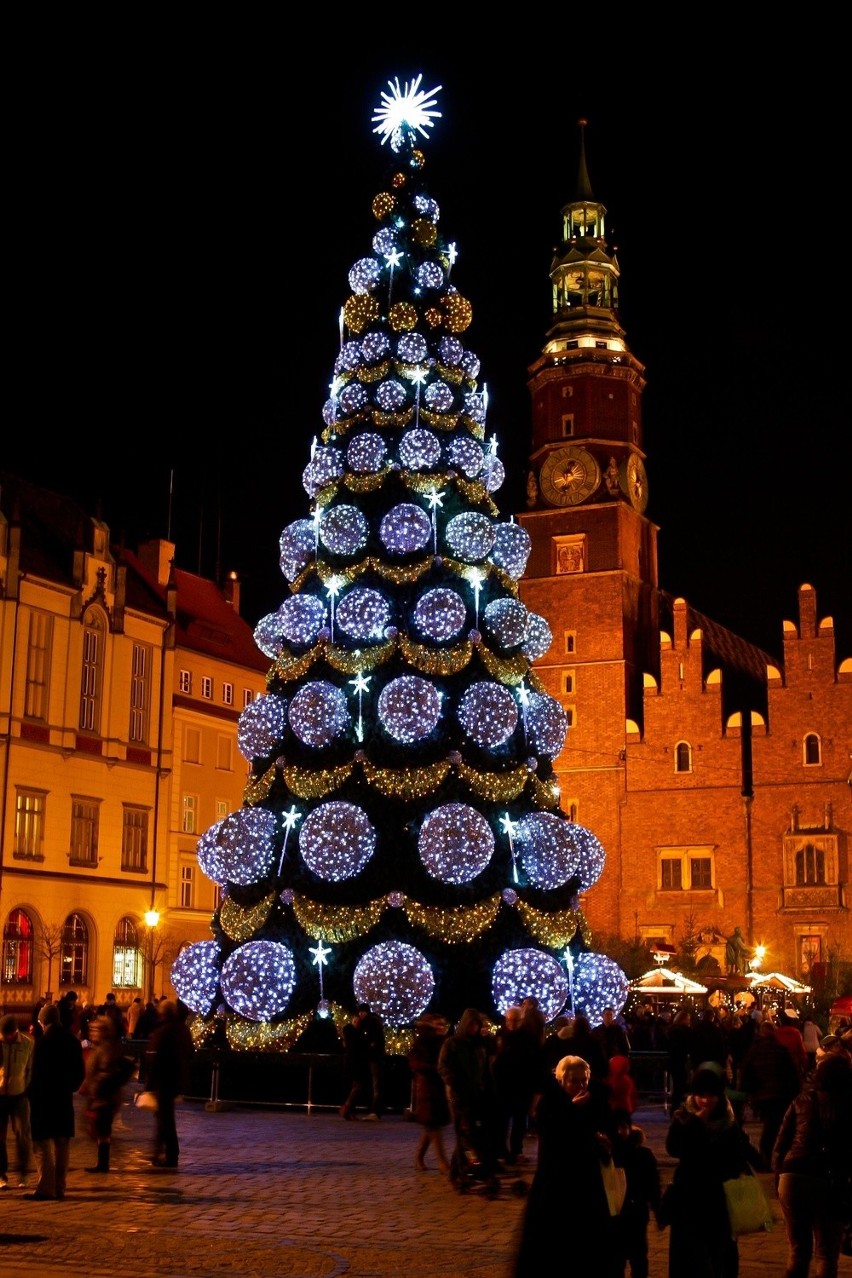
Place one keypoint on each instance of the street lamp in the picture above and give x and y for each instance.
(152, 918)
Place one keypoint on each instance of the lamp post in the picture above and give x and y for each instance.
(152, 918)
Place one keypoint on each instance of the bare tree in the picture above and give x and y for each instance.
(48, 945)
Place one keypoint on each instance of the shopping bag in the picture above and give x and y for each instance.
(749, 1210)
(146, 1100)
(615, 1186)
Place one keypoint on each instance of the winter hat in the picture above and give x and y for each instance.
(708, 1080)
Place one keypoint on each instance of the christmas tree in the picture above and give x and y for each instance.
(401, 842)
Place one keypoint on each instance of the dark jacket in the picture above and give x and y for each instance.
(170, 1052)
(428, 1095)
(58, 1072)
(815, 1139)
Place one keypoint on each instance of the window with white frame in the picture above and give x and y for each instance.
(39, 645)
(811, 859)
(85, 814)
(228, 694)
(29, 824)
(185, 681)
(127, 957)
(189, 813)
(187, 885)
(223, 807)
(688, 869)
(134, 839)
(140, 693)
(207, 687)
(248, 697)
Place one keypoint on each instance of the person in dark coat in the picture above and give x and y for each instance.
(770, 1082)
(813, 1161)
(356, 1067)
(578, 1039)
(58, 1072)
(464, 1064)
(576, 1127)
(429, 1105)
(516, 1067)
(644, 1192)
(711, 1147)
(170, 1052)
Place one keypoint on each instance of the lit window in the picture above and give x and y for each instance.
(190, 813)
(187, 886)
(18, 949)
(127, 957)
(74, 952)
(29, 824)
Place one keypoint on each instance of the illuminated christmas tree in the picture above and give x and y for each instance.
(401, 842)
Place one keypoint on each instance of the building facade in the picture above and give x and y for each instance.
(717, 779)
(121, 682)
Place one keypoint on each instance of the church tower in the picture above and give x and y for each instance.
(592, 569)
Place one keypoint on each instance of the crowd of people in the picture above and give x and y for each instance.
(68, 1049)
(572, 1085)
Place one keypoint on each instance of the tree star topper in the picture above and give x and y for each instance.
(412, 107)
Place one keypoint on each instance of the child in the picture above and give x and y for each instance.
(622, 1094)
(643, 1193)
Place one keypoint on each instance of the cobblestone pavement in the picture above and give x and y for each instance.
(289, 1194)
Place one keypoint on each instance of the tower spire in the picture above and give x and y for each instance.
(584, 186)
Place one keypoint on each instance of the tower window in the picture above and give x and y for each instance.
(567, 424)
(570, 641)
(683, 757)
(812, 752)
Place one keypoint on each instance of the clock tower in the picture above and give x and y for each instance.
(592, 570)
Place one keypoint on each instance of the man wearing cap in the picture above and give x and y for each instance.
(16, 1064)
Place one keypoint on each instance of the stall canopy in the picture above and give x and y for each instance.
(777, 981)
(662, 983)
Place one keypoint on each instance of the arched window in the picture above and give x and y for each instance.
(91, 673)
(74, 955)
(683, 757)
(812, 750)
(127, 957)
(810, 866)
(18, 949)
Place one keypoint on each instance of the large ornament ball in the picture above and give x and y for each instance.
(258, 979)
(529, 973)
(195, 976)
(395, 980)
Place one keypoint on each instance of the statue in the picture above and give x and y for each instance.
(737, 954)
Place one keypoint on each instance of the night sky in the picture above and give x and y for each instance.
(185, 214)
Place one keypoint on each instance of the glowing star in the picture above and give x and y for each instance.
(418, 376)
(436, 499)
(361, 685)
(492, 448)
(452, 254)
(476, 578)
(333, 590)
(393, 259)
(320, 953)
(288, 820)
(510, 829)
(411, 107)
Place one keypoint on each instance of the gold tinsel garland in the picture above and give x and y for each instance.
(337, 923)
(497, 787)
(555, 930)
(406, 783)
(257, 788)
(313, 783)
(366, 483)
(436, 661)
(240, 922)
(458, 925)
(362, 659)
(545, 794)
(508, 670)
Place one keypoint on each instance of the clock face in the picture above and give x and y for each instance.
(568, 476)
(634, 481)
